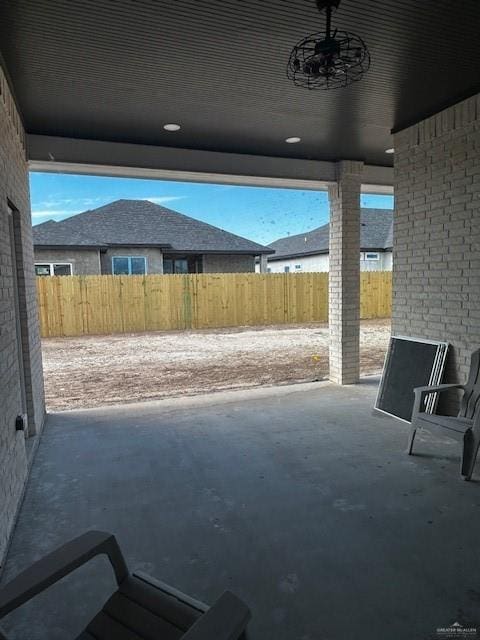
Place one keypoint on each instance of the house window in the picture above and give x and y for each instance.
(269, 270)
(129, 265)
(53, 269)
(298, 267)
(182, 264)
(372, 256)
(286, 269)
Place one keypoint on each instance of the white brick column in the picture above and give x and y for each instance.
(344, 276)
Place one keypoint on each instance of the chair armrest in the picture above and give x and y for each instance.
(57, 564)
(421, 392)
(225, 620)
(437, 388)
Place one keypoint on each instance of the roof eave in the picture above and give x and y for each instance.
(77, 247)
(163, 247)
(287, 256)
(136, 245)
(246, 252)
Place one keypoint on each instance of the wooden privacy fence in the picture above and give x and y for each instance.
(79, 305)
(375, 294)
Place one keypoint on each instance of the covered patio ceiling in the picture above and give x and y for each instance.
(118, 71)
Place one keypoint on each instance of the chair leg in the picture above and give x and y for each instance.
(471, 443)
(411, 438)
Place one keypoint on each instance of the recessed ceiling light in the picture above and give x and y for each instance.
(391, 150)
(292, 140)
(171, 127)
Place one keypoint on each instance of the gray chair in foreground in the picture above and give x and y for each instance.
(141, 609)
(465, 426)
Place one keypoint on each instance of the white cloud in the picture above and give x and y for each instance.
(163, 199)
(69, 202)
(56, 213)
(51, 213)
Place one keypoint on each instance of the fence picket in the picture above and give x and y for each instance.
(83, 305)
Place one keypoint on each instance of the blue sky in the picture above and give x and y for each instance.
(256, 213)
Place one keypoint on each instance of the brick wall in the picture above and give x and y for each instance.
(19, 335)
(85, 262)
(220, 263)
(436, 276)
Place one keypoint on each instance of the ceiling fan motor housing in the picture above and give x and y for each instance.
(323, 4)
(327, 60)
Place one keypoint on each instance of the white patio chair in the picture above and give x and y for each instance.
(464, 427)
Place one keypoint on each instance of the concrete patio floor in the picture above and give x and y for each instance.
(296, 498)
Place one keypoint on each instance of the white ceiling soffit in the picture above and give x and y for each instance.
(91, 157)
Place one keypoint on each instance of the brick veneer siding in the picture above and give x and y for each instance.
(85, 262)
(228, 263)
(14, 189)
(436, 259)
(344, 276)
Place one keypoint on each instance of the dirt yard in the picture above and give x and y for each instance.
(90, 371)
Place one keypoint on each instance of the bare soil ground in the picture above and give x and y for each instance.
(91, 371)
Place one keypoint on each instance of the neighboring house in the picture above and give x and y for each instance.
(309, 251)
(137, 237)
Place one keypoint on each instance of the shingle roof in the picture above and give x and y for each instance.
(375, 233)
(140, 222)
(52, 233)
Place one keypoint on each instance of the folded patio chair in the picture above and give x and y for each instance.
(142, 608)
(465, 426)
